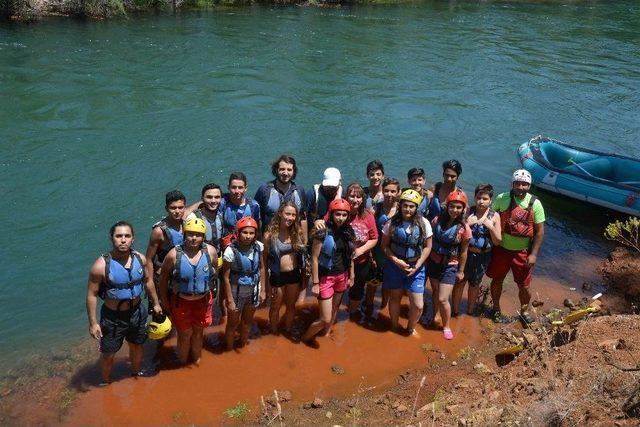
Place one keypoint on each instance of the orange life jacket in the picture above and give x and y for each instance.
(517, 221)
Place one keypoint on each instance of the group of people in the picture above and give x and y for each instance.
(234, 252)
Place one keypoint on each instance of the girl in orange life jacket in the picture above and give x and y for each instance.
(283, 249)
(363, 224)
(190, 270)
(451, 237)
(406, 241)
(332, 270)
(243, 276)
(485, 226)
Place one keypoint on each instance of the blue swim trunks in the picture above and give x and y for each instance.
(394, 278)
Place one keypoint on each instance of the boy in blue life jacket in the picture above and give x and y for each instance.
(119, 278)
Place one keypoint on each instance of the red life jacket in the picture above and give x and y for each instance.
(516, 221)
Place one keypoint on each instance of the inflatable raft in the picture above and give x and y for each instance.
(607, 180)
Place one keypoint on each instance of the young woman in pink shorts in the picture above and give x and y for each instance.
(332, 270)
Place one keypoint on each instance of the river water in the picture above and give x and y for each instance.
(99, 119)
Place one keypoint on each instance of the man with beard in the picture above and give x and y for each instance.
(522, 221)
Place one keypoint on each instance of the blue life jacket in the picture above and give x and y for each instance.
(446, 242)
(321, 203)
(232, 213)
(245, 271)
(172, 238)
(481, 238)
(275, 198)
(213, 231)
(122, 283)
(329, 252)
(381, 217)
(192, 279)
(436, 208)
(407, 247)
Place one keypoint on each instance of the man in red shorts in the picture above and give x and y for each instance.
(522, 219)
(188, 271)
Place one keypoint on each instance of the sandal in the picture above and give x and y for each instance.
(526, 318)
(499, 317)
(448, 335)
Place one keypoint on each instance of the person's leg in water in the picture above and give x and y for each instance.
(245, 323)
(184, 344)
(106, 364)
(496, 293)
(335, 307)
(290, 296)
(274, 308)
(435, 305)
(472, 297)
(197, 336)
(325, 307)
(230, 330)
(135, 357)
(369, 299)
(416, 305)
(395, 296)
(456, 297)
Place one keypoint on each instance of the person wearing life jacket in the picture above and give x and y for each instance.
(165, 234)
(522, 221)
(236, 205)
(486, 233)
(119, 278)
(207, 210)
(406, 242)
(332, 270)
(451, 236)
(451, 171)
(272, 194)
(373, 193)
(284, 257)
(383, 211)
(320, 196)
(417, 180)
(364, 228)
(188, 287)
(243, 277)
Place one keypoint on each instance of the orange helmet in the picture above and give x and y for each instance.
(339, 205)
(457, 196)
(245, 222)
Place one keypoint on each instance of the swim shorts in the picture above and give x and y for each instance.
(188, 313)
(394, 278)
(285, 278)
(244, 296)
(333, 284)
(444, 273)
(118, 325)
(476, 267)
(363, 272)
(503, 260)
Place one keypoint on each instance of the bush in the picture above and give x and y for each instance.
(626, 233)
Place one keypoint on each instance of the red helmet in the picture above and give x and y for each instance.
(339, 205)
(458, 196)
(245, 222)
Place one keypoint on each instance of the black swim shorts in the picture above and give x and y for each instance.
(118, 325)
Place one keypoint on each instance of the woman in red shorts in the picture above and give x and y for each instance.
(332, 271)
(188, 271)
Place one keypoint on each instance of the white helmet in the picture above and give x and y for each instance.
(521, 175)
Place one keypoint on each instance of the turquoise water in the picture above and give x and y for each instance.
(99, 119)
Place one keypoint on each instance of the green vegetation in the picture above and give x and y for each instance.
(626, 233)
(239, 411)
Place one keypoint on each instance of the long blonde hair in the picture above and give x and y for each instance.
(295, 232)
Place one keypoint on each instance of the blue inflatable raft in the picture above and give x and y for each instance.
(607, 180)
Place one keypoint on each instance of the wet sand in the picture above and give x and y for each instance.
(370, 356)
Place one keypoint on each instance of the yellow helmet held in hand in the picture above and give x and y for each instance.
(195, 225)
(411, 195)
(159, 327)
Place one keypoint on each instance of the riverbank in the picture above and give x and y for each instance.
(347, 380)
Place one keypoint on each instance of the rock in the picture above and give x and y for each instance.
(428, 408)
(284, 395)
(306, 406)
(530, 339)
(454, 363)
(467, 383)
(317, 403)
(442, 356)
(482, 368)
(395, 404)
(402, 408)
(569, 304)
(493, 395)
(611, 344)
(452, 409)
(536, 303)
(337, 369)
(586, 286)
(328, 414)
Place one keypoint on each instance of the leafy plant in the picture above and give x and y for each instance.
(626, 233)
(239, 411)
